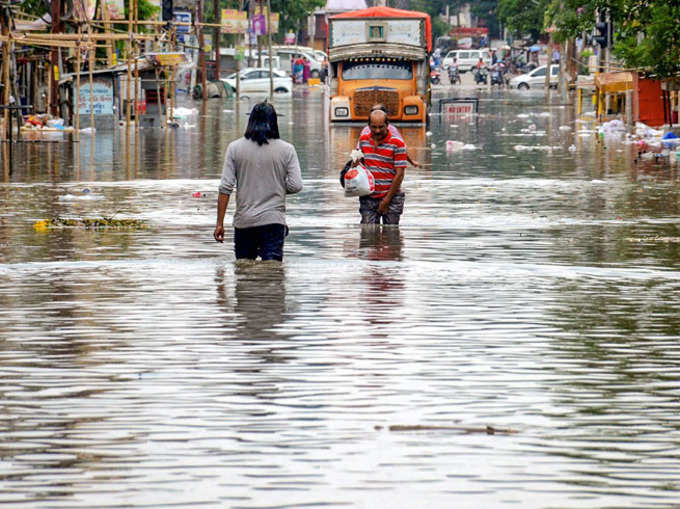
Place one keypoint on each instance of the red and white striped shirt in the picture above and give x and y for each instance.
(382, 160)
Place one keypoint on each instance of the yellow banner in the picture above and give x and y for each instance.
(170, 58)
(234, 21)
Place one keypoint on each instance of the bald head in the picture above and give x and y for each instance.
(377, 122)
(378, 114)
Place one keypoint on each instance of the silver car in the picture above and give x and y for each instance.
(535, 78)
(256, 80)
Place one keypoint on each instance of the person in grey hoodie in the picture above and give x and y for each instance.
(262, 169)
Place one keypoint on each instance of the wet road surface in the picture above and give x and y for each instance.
(529, 289)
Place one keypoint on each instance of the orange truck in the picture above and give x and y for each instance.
(379, 55)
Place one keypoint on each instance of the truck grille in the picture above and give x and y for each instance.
(365, 98)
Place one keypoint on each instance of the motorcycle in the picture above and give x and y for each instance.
(497, 78)
(454, 75)
(435, 76)
(481, 76)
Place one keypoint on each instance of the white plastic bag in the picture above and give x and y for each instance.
(359, 181)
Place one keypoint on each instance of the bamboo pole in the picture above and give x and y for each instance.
(5, 80)
(129, 82)
(158, 98)
(76, 93)
(91, 79)
(62, 38)
(107, 30)
(165, 95)
(172, 92)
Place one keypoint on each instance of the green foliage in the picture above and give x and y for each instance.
(35, 7)
(522, 17)
(646, 32)
(293, 13)
(648, 36)
(487, 10)
(439, 27)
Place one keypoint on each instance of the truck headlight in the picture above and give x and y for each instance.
(410, 110)
(342, 112)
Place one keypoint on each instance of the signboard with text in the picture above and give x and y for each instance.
(102, 98)
(459, 106)
(234, 21)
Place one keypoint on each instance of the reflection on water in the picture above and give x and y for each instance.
(532, 289)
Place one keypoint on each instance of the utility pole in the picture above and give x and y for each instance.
(54, 59)
(269, 47)
(216, 37)
(201, 49)
(548, 65)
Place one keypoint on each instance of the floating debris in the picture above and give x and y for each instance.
(93, 223)
(489, 430)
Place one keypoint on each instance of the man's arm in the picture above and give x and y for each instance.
(222, 202)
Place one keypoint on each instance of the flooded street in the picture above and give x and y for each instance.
(529, 290)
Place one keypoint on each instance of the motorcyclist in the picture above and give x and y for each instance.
(480, 71)
(453, 71)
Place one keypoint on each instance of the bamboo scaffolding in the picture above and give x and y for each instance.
(46, 38)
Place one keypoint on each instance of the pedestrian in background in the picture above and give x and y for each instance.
(306, 69)
(262, 169)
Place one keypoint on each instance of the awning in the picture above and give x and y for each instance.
(613, 82)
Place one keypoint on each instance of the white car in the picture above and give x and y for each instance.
(466, 58)
(535, 78)
(256, 80)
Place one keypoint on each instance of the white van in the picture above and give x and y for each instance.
(466, 58)
(288, 52)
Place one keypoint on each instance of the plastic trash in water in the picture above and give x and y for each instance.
(565, 128)
(572, 148)
(670, 140)
(88, 130)
(197, 194)
(454, 146)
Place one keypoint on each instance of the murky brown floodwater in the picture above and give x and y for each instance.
(532, 290)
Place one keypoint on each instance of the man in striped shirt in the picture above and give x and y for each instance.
(385, 158)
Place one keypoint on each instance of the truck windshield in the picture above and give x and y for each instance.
(377, 69)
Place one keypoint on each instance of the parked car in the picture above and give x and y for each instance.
(466, 58)
(256, 80)
(288, 53)
(535, 78)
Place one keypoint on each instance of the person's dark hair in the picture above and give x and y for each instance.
(262, 124)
